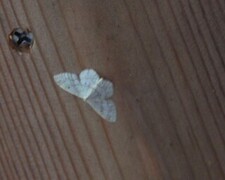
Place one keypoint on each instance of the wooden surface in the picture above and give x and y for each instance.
(166, 59)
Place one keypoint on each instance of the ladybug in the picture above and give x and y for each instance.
(21, 40)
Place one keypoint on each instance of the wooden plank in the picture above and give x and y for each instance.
(166, 60)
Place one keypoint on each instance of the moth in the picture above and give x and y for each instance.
(21, 40)
(92, 89)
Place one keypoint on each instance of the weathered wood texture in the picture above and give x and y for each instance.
(166, 59)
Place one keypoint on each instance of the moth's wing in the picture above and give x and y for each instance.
(99, 101)
(103, 90)
(89, 78)
(105, 108)
(70, 83)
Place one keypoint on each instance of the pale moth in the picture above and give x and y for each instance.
(92, 89)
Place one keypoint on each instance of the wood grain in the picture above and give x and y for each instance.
(166, 60)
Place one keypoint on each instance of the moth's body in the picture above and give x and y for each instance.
(93, 88)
